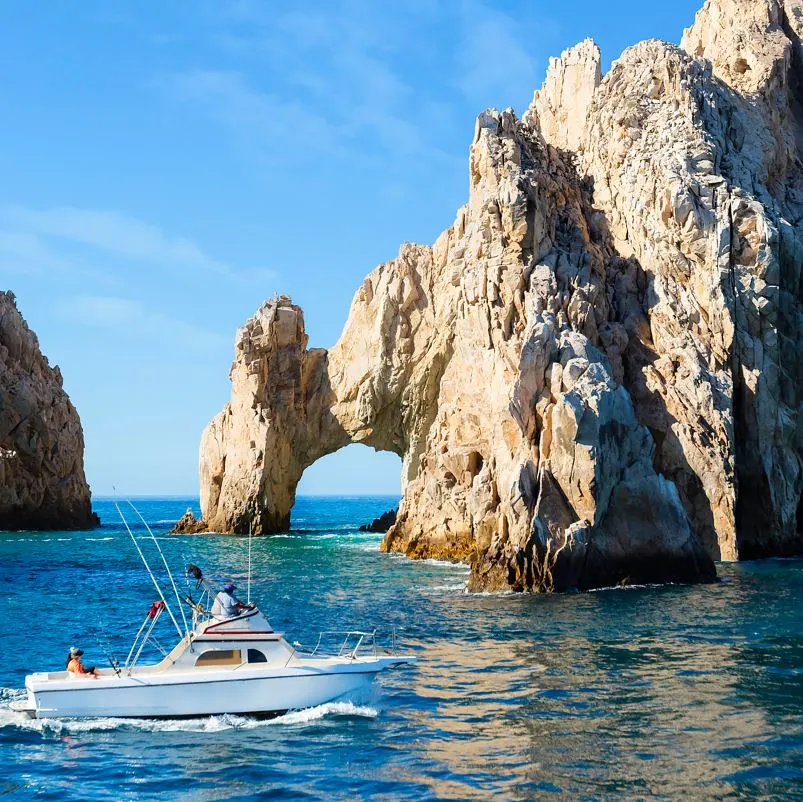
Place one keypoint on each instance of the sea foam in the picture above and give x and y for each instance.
(12, 718)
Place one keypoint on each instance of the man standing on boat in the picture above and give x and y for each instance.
(227, 605)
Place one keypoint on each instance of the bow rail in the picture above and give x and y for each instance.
(354, 642)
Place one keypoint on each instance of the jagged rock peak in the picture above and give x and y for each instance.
(746, 41)
(560, 107)
(42, 483)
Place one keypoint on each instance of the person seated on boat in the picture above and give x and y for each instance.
(76, 668)
(227, 605)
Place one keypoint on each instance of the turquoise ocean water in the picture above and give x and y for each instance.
(644, 693)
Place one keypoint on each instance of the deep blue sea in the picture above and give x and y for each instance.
(642, 693)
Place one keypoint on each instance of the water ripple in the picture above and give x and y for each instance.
(657, 693)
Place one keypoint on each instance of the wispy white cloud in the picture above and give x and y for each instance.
(277, 126)
(494, 67)
(253, 115)
(318, 80)
(130, 318)
(101, 311)
(23, 252)
(116, 233)
(33, 239)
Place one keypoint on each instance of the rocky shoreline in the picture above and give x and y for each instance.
(188, 524)
(381, 524)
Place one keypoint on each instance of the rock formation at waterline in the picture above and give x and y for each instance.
(382, 523)
(188, 524)
(42, 484)
(594, 376)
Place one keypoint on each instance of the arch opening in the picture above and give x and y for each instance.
(355, 484)
(353, 470)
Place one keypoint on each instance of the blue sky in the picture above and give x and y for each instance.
(167, 166)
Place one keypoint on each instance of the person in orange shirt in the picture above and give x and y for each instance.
(76, 667)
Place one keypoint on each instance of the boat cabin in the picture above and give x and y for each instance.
(230, 642)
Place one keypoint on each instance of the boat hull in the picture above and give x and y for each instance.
(266, 692)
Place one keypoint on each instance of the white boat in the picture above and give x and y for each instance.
(220, 665)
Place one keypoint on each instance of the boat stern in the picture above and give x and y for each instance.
(28, 704)
(24, 706)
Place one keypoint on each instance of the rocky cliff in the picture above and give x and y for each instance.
(593, 376)
(42, 484)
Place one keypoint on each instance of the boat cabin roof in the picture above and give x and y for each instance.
(251, 624)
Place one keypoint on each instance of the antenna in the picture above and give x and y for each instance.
(250, 530)
(167, 568)
(150, 573)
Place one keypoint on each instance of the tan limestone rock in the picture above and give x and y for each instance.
(560, 108)
(188, 524)
(700, 184)
(744, 40)
(593, 376)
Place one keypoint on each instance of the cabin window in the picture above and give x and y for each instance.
(220, 657)
(255, 656)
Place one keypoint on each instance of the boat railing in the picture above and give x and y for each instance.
(200, 614)
(354, 643)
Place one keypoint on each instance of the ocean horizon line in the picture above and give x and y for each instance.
(180, 496)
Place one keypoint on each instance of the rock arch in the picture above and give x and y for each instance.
(592, 370)
(486, 363)
(292, 405)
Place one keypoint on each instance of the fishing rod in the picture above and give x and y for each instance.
(105, 647)
(150, 573)
(189, 599)
(167, 568)
(250, 533)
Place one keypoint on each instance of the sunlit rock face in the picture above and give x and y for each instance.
(42, 483)
(592, 377)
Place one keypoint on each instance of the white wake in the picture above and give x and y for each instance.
(211, 724)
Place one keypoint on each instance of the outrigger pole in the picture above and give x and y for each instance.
(167, 568)
(150, 573)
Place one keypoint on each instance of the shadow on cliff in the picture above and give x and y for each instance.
(629, 297)
(769, 513)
